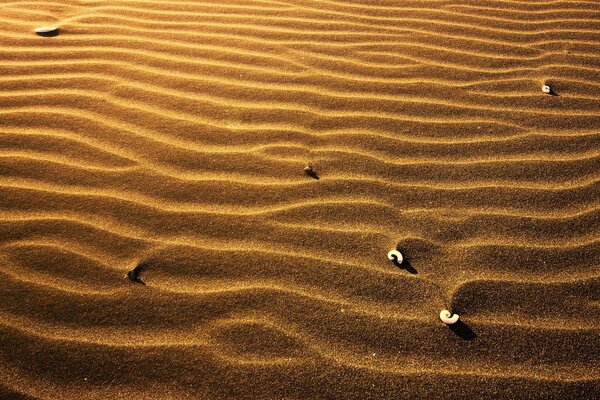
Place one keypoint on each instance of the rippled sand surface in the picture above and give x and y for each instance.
(173, 134)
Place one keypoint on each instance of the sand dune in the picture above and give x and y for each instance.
(175, 133)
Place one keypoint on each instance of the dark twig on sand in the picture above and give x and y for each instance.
(134, 274)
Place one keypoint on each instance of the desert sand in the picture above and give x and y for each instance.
(173, 135)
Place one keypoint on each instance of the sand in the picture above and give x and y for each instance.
(174, 134)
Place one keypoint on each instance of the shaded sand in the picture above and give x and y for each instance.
(175, 133)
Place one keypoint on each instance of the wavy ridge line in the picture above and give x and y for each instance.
(99, 13)
(581, 182)
(169, 113)
(389, 366)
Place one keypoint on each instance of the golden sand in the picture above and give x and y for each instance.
(174, 135)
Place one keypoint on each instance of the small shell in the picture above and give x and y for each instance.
(46, 30)
(546, 89)
(310, 171)
(448, 318)
(395, 256)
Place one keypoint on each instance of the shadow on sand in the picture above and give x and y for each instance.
(462, 330)
(51, 33)
(405, 264)
(134, 274)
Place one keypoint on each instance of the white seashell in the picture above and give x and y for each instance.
(46, 30)
(396, 256)
(448, 318)
(546, 89)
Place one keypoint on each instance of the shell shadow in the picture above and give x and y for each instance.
(406, 265)
(52, 33)
(312, 173)
(552, 91)
(462, 330)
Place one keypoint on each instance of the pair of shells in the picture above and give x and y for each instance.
(446, 316)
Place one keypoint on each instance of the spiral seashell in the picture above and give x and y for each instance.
(448, 318)
(395, 256)
(546, 89)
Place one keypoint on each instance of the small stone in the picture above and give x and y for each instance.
(310, 171)
(47, 30)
